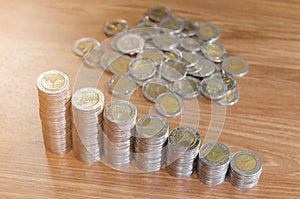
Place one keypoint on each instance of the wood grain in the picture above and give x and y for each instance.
(38, 35)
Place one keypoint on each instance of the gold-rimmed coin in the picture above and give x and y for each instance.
(115, 26)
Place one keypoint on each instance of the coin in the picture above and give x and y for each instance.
(189, 59)
(190, 44)
(157, 13)
(174, 54)
(93, 56)
(153, 88)
(207, 69)
(166, 42)
(108, 58)
(245, 169)
(213, 51)
(195, 68)
(81, 45)
(188, 87)
(142, 68)
(190, 28)
(130, 43)
(229, 99)
(152, 53)
(236, 66)
(145, 21)
(213, 88)
(208, 32)
(121, 85)
(115, 26)
(169, 104)
(120, 65)
(173, 70)
(146, 31)
(172, 25)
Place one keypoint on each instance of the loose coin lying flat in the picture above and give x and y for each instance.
(190, 44)
(130, 43)
(153, 88)
(207, 69)
(93, 56)
(172, 25)
(81, 45)
(166, 42)
(120, 65)
(213, 88)
(174, 54)
(115, 26)
(169, 104)
(173, 70)
(121, 85)
(153, 53)
(108, 58)
(229, 99)
(157, 13)
(142, 68)
(188, 87)
(190, 28)
(236, 66)
(189, 58)
(208, 32)
(214, 51)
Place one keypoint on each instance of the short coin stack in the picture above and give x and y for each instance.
(87, 106)
(119, 122)
(183, 147)
(213, 162)
(151, 134)
(55, 114)
(245, 169)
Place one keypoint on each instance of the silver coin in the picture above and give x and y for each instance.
(158, 13)
(190, 28)
(213, 88)
(93, 56)
(169, 104)
(173, 70)
(188, 87)
(214, 51)
(142, 68)
(153, 88)
(229, 99)
(121, 85)
(172, 25)
(115, 26)
(81, 45)
(130, 43)
(190, 44)
(208, 32)
(166, 42)
(235, 66)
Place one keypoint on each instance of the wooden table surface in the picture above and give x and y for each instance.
(37, 36)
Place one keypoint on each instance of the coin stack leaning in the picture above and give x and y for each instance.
(213, 162)
(88, 104)
(119, 122)
(245, 169)
(54, 106)
(183, 147)
(150, 137)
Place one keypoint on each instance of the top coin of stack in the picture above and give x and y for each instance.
(54, 100)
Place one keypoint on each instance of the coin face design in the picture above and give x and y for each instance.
(166, 42)
(213, 88)
(53, 81)
(130, 43)
(87, 98)
(121, 85)
(229, 99)
(115, 26)
(190, 28)
(157, 13)
(93, 56)
(120, 112)
(153, 88)
(152, 126)
(214, 51)
(245, 162)
(174, 25)
(189, 58)
(155, 54)
(190, 44)
(184, 138)
(235, 66)
(173, 70)
(174, 54)
(187, 87)
(215, 154)
(120, 65)
(208, 32)
(168, 104)
(82, 45)
(142, 68)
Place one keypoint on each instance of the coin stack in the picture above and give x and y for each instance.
(54, 107)
(183, 147)
(245, 169)
(213, 162)
(88, 104)
(119, 122)
(150, 137)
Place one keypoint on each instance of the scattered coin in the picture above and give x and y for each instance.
(173, 70)
(214, 51)
(229, 99)
(142, 68)
(236, 66)
(153, 88)
(188, 87)
(152, 53)
(169, 104)
(190, 28)
(93, 56)
(207, 69)
(158, 13)
(115, 26)
(120, 65)
(189, 58)
(121, 85)
(81, 45)
(166, 42)
(130, 43)
(174, 54)
(213, 88)
(190, 44)
(108, 58)
(172, 25)
(208, 32)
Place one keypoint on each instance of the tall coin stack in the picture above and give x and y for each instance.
(88, 104)
(245, 169)
(183, 147)
(54, 107)
(213, 162)
(119, 122)
(150, 137)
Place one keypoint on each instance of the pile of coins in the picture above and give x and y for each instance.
(213, 162)
(55, 113)
(183, 147)
(151, 134)
(118, 125)
(245, 169)
(88, 104)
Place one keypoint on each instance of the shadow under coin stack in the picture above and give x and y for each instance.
(245, 169)
(183, 147)
(151, 134)
(87, 106)
(119, 122)
(213, 162)
(55, 114)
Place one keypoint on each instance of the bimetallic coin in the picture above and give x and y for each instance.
(173, 70)
(108, 58)
(142, 68)
(115, 26)
(155, 54)
(174, 54)
(153, 88)
(189, 59)
(152, 126)
(229, 81)
(207, 69)
(184, 138)
(213, 88)
(190, 44)
(87, 99)
(213, 51)
(168, 104)
(235, 66)
(188, 87)
(195, 68)
(190, 28)
(81, 45)
(146, 32)
(208, 32)
(157, 13)
(52, 82)
(121, 85)
(130, 43)
(229, 99)
(120, 111)
(145, 21)
(120, 65)
(172, 25)
(166, 42)
(93, 56)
